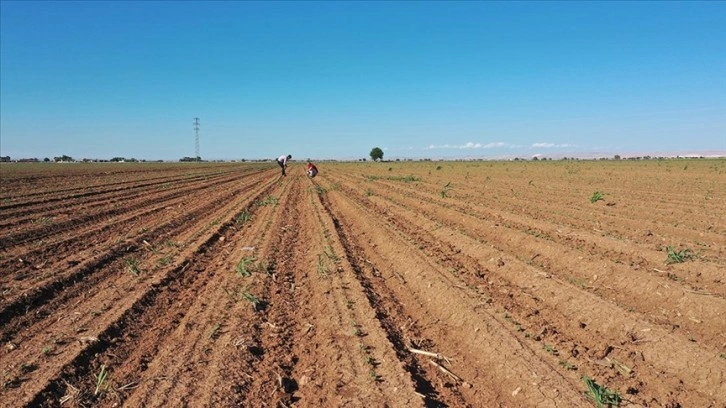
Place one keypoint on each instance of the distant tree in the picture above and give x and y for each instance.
(616, 157)
(376, 154)
(64, 158)
(191, 159)
(46, 160)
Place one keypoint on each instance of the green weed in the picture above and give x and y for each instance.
(270, 200)
(243, 217)
(602, 396)
(132, 265)
(356, 328)
(44, 220)
(101, 380)
(322, 269)
(445, 191)
(405, 179)
(568, 365)
(243, 266)
(254, 300)
(551, 350)
(330, 253)
(597, 196)
(681, 256)
(164, 261)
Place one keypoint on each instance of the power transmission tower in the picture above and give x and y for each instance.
(196, 139)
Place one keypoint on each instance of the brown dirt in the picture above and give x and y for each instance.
(227, 285)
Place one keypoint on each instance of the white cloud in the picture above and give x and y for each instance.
(471, 145)
(551, 145)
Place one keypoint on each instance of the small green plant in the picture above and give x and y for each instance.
(368, 192)
(322, 269)
(551, 350)
(243, 217)
(597, 196)
(45, 351)
(132, 265)
(243, 266)
(101, 380)
(254, 300)
(405, 179)
(270, 200)
(320, 189)
(164, 260)
(44, 221)
(681, 256)
(330, 253)
(233, 294)
(602, 396)
(568, 365)
(446, 189)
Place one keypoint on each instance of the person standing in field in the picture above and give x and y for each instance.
(282, 161)
(312, 170)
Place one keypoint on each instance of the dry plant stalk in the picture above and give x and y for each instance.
(429, 354)
(446, 371)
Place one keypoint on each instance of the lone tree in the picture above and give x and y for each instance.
(376, 154)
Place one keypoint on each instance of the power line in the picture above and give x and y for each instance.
(196, 139)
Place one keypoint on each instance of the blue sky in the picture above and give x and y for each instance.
(331, 80)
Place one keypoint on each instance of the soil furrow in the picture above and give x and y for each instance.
(119, 342)
(20, 236)
(43, 292)
(461, 284)
(422, 295)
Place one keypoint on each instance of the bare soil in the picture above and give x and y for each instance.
(402, 284)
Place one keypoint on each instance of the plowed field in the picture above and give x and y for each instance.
(439, 284)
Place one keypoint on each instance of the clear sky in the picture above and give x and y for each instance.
(332, 80)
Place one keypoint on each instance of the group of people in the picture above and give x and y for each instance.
(311, 170)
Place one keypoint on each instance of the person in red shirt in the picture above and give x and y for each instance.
(312, 170)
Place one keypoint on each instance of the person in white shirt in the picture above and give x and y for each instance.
(282, 161)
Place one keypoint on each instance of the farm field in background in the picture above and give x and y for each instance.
(437, 284)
